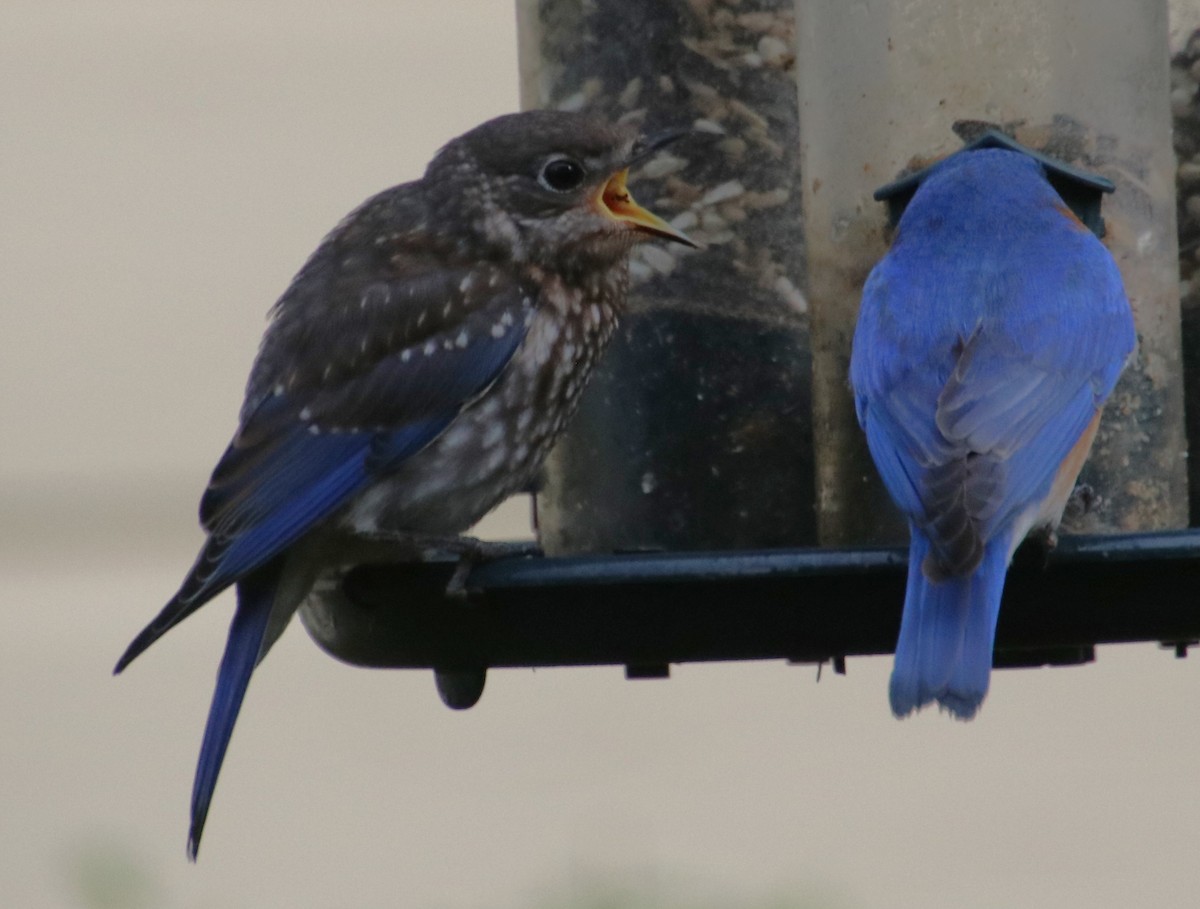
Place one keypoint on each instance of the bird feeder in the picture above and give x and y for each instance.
(680, 507)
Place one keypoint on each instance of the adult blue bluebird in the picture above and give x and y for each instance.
(414, 373)
(988, 339)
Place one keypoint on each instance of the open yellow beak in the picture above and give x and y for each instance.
(615, 202)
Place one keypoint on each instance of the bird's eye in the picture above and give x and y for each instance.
(562, 175)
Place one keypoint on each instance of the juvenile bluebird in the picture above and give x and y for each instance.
(415, 373)
(989, 337)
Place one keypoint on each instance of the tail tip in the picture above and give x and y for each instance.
(907, 699)
(193, 843)
(137, 646)
(904, 697)
(130, 654)
(961, 705)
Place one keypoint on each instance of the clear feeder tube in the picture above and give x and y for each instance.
(695, 432)
(883, 84)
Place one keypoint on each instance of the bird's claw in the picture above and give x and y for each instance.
(472, 552)
(1083, 500)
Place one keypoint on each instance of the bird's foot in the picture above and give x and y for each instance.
(472, 552)
(1083, 501)
(475, 548)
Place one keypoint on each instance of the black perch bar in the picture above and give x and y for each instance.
(648, 610)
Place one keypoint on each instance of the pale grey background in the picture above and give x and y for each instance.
(166, 167)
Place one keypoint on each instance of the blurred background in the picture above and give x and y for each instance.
(166, 168)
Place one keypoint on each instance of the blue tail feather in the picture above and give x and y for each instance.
(947, 634)
(256, 595)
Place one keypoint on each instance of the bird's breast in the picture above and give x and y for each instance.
(496, 446)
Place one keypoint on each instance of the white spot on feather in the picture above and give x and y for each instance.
(493, 434)
(458, 435)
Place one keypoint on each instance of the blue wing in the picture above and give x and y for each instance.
(306, 448)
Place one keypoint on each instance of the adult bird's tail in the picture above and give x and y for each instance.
(256, 596)
(944, 652)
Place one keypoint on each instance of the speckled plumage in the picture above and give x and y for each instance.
(415, 373)
(497, 445)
